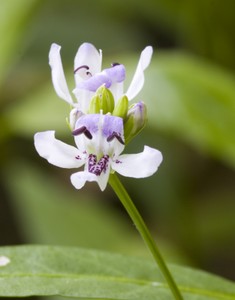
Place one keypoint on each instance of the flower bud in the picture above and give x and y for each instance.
(121, 108)
(103, 100)
(74, 115)
(135, 121)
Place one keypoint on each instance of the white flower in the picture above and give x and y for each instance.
(89, 76)
(100, 142)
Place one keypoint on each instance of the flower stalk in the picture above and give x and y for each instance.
(125, 199)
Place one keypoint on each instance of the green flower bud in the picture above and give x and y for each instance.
(135, 121)
(103, 100)
(94, 107)
(121, 108)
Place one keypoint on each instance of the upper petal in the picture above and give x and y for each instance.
(94, 82)
(107, 77)
(57, 152)
(117, 90)
(57, 72)
(83, 98)
(117, 73)
(88, 56)
(138, 79)
(139, 165)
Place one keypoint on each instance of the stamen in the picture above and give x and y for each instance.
(81, 130)
(82, 67)
(114, 64)
(117, 136)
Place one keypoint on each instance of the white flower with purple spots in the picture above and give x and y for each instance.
(89, 75)
(99, 143)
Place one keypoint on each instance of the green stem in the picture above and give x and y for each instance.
(144, 232)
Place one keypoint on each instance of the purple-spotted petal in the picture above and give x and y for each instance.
(138, 79)
(57, 73)
(56, 152)
(139, 165)
(88, 56)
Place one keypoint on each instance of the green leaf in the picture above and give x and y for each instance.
(14, 18)
(194, 100)
(69, 216)
(73, 272)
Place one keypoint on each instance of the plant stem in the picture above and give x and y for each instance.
(144, 232)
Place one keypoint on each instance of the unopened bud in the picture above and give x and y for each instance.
(74, 115)
(103, 100)
(135, 121)
(121, 108)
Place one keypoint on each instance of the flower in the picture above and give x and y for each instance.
(99, 143)
(89, 76)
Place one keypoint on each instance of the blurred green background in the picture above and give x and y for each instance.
(189, 204)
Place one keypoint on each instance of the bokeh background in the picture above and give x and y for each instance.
(189, 204)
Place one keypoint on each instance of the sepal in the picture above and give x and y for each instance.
(135, 121)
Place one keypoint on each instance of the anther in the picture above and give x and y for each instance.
(114, 64)
(117, 136)
(83, 130)
(81, 67)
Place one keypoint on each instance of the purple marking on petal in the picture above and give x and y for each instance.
(90, 122)
(117, 161)
(95, 167)
(116, 74)
(112, 124)
(94, 82)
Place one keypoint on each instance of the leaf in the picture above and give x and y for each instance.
(193, 100)
(69, 215)
(73, 272)
(13, 21)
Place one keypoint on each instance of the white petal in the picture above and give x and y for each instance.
(138, 79)
(83, 97)
(117, 90)
(139, 165)
(87, 55)
(79, 179)
(102, 180)
(56, 152)
(57, 72)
